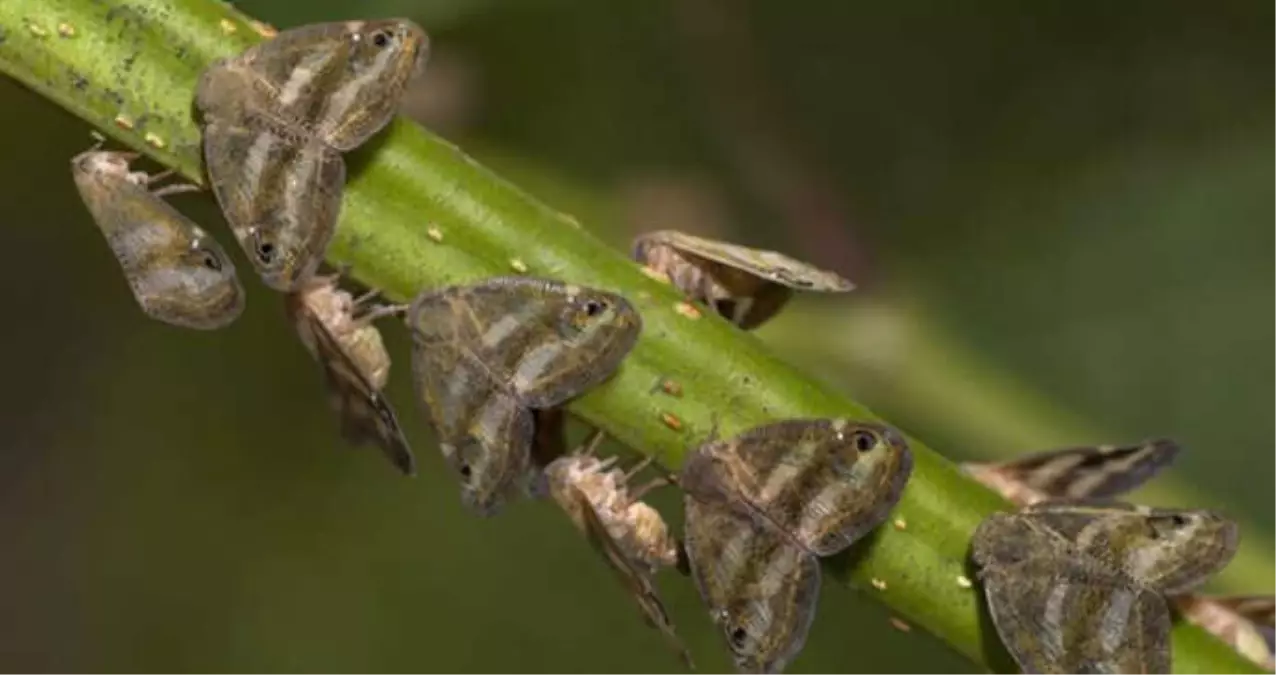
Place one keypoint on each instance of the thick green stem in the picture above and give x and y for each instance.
(418, 213)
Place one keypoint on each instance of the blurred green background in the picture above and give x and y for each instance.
(1060, 215)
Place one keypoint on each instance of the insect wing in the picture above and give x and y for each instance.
(1169, 550)
(1090, 472)
(280, 193)
(1242, 621)
(761, 590)
(636, 580)
(338, 82)
(824, 483)
(746, 286)
(769, 265)
(1259, 609)
(366, 416)
(178, 273)
(484, 433)
(541, 341)
(1057, 613)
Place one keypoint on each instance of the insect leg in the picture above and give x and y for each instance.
(633, 471)
(366, 297)
(637, 493)
(591, 445)
(175, 189)
(379, 312)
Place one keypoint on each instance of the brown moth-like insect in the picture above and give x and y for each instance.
(761, 589)
(631, 535)
(745, 285)
(281, 195)
(1086, 472)
(1245, 622)
(1168, 550)
(177, 272)
(1058, 611)
(337, 82)
(1242, 621)
(277, 118)
(485, 355)
(338, 332)
(1079, 586)
(823, 483)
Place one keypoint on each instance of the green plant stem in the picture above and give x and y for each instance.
(129, 68)
(909, 362)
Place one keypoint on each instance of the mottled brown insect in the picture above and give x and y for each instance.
(745, 285)
(1058, 611)
(276, 119)
(1086, 472)
(821, 482)
(1169, 550)
(485, 355)
(1078, 586)
(630, 535)
(177, 272)
(339, 82)
(338, 332)
(761, 590)
(1107, 471)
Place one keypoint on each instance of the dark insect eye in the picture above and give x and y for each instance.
(212, 262)
(381, 38)
(465, 470)
(265, 252)
(1165, 526)
(593, 308)
(864, 440)
(738, 636)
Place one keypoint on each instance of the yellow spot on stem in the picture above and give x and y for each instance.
(36, 29)
(434, 233)
(155, 141)
(671, 421)
(964, 581)
(228, 26)
(687, 309)
(123, 122)
(878, 584)
(264, 29)
(518, 265)
(655, 274)
(900, 625)
(66, 30)
(900, 524)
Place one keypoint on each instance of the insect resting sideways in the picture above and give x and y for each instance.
(338, 332)
(178, 273)
(629, 534)
(745, 285)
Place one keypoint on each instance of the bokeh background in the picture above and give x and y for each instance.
(1060, 215)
